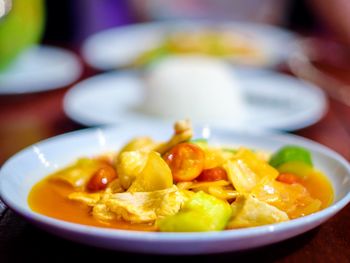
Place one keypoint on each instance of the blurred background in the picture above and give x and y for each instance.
(33, 84)
(70, 22)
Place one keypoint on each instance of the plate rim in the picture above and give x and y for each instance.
(74, 59)
(302, 122)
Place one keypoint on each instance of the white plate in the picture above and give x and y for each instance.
(21, 172)
(39, 69)
(118, 47)
(272, 100)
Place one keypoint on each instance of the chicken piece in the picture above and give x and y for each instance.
(141, 207)
(249, 211)
(102, 213)
(183, 132)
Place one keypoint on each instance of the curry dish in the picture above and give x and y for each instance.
(184, 185)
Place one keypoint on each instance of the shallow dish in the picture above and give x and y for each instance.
(40, 68)
(118, 47)
(22, 171)
(268, 97)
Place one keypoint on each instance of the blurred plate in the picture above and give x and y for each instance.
(118, 47)
(39, 69)
(273, 101)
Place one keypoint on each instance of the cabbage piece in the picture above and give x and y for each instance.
(79, 173)
(294, 199)
(246, 170)
(202, 212)
(141, 207)
(156, 175)
(256, 164)
(249, 211)
(196, 185)
(241, 176)
(220, 189)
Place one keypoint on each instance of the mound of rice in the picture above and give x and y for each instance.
(203, 89)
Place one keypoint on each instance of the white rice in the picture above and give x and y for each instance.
(203, 89)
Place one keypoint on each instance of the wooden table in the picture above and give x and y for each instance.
(28, 118)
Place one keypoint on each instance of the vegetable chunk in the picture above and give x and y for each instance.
(294, 160)
(249, 211)
(246, 170)
(294, 199)
(156, 175)
(129, 165)
(79, 173)
(291, 153)
(202, 212)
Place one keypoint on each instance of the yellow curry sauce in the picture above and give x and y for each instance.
(49, 197)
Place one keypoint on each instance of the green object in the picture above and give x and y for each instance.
(202, 212)
(291, 153)
(152, 56)
(20, 29)
(201, 142)
(229, 150)
(292, 159)
(297, 168)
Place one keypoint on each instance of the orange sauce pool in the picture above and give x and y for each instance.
(320, 188)
(49, 198)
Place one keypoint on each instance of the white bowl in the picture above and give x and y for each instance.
(21, 172)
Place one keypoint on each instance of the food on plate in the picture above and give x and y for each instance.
(201, 88)
(184, 185)
(231, 45)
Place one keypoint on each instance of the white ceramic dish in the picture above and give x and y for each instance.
(39, 69)
(22, 171)
(272, 100)
(119, 46)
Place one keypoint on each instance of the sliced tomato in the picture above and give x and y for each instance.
(186, 161)
(213, 174)
(101, 178)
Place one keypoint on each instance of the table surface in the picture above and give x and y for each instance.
(29, 118)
